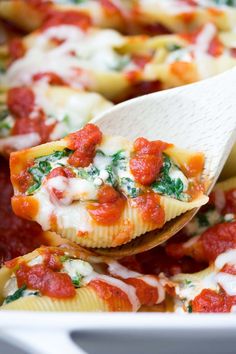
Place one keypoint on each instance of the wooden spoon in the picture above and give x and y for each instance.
(198, 117)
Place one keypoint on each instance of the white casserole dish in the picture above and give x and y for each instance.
(42, 333)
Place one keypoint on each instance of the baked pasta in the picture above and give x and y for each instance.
(211, 290)
(213, 241)
(152, 16)
(184, 15)
(102, 191)
(33, 115)
(69, 279)
(30, 14)
(117, 66)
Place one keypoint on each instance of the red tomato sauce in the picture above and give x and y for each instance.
(16, 48)
(17, 236)
(214, 241)
(84, 143)
(147, 161)
(48, 282)
(147, 294)
(110, 8)
(216, 47)
(158, 260)
(115, 298)
(61, 171)
(21, 103)
(51, 78)
(69, 17)
(151, 209)
(109, 208)
(210, 301)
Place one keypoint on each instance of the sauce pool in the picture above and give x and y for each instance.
(17, 236)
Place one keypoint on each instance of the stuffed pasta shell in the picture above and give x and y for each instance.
(211, 290)
(33, 115)
(104, 191)
(29, 14)
(68, 279)
(213, 230)
(118, 66)
(184, 15)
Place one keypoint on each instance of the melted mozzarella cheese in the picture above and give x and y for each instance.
(228, 257)
(119, 270)
(72, 189)
(227, 282)
(127, 289)
(194, 288)
(111, 145)
(34, 261)
(93, 49)
(77, 267)
(71, 108)
(68, 216)
(175, 174)
(19, 142)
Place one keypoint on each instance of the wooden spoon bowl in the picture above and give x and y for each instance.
(198, 117)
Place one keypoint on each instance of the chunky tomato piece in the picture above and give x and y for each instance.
(147, 161)
(50, 77)
(112, 295)
(16, 48)
(151, 209)
(23, 181)
(141, 60)
(210, 301)
(216, 48)
(34, 125)
(145, 168)
(51, 259)
(48, 282)
(69, 17)
(229, 268)
(110, 8)
(84, 143)
(214, 241)
(147, 294)
(109, 208)
(61, 171)
(218, 239)
(20, 101)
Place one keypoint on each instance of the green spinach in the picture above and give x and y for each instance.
(165, 184)
(42, 167)
(129, 187)
(17, 295)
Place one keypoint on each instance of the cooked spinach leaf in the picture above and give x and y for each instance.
(88, 173)
(119, 160)
(17, 294)
(77, 280)
(165, 184)
(172, 47)
(129, 187)
(57, 155)
(42, 167)
(112, 179)
(189, 308)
